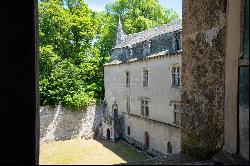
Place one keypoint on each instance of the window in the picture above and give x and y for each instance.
(145, 78)
(127, 79)
(177, 107)
(128, 130)
(175, 43)
(146, 48)
(177, 118)
(144, 107)
(128, 104)
(176, 76)
(129, 52)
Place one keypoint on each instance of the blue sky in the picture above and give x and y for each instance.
(99, 5)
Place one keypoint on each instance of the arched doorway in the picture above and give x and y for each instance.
(108, 134)
(169, 148)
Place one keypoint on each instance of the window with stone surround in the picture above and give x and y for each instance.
(127, 79)
(146, 48)
(175, 42)
(177, 118)
(145, 77)
(129, 52)
(176, 80)
(144, 107)
(177, 113)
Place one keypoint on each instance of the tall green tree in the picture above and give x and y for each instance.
(75, 42)
(66, 33)
(139, 15)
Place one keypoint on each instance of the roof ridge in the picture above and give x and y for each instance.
(131, 39)
(169, 23)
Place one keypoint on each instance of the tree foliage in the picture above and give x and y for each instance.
(75, 42)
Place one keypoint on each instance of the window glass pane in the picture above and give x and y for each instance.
(142, 101)
(146, 111)
(246, 30)
(173, 70)
(142, 110)
(173, 79)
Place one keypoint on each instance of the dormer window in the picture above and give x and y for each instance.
(175, 43)
(129, 52)
(146, 48)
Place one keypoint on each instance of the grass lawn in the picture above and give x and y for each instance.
(87, 152)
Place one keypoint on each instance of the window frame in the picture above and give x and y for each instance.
(176, 76)
(145, 107)
(145, 77)
(177, 118)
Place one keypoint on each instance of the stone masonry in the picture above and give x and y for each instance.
(203, 77)
(61, 124)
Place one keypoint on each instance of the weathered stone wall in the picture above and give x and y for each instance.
(159, 135)
(61, 124)
(203, 76)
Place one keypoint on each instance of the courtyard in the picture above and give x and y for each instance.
(87, 152)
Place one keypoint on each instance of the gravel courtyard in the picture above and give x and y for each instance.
(87, 152)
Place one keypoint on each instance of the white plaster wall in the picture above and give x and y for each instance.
(159, 134)
(159, 91)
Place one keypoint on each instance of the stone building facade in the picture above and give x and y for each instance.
(142, 89)
(215, 78)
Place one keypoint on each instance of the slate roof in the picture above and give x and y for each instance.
(134, 38)
(162, 53)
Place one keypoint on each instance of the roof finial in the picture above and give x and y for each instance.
(119, 33)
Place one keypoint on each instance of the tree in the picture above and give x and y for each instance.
(66, 32)
(139, 15)
(75, 42)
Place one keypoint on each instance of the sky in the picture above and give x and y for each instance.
(99, 5)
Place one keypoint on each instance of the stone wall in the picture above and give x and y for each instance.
(159, 135)
(61, 124)
(203, 68)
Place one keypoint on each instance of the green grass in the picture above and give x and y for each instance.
(87, 152)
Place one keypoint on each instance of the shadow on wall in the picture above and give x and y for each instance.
(62, 124)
